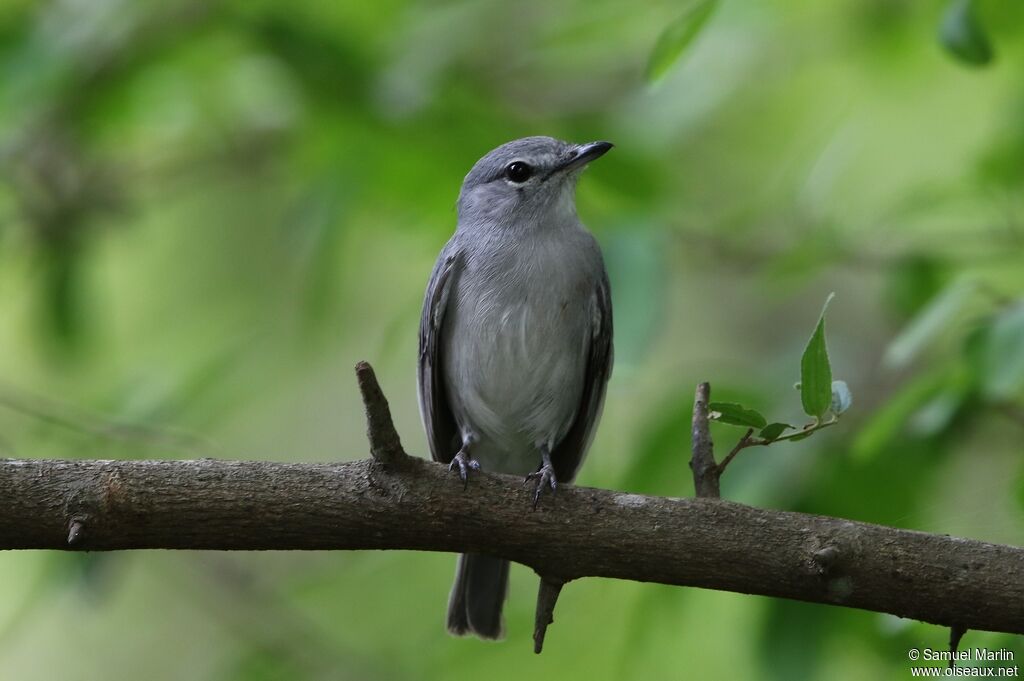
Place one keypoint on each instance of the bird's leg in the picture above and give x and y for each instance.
(545, 475)
(463, 462)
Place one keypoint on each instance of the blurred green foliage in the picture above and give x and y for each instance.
(210, 210)
(677, 36)
(962, 34)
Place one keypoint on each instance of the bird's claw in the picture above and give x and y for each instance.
(462, 463)
(545, 477)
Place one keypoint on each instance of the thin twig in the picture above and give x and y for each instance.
(744, 442)
(547, 596)
(748, 441)
(702, 462)
(803, 432)
(385, 445)
(956, 632)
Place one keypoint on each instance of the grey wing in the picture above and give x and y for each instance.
(568, 454)
(435, 410)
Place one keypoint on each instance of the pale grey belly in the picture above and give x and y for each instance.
(514, 374)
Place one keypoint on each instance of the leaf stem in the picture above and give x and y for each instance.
(748, 441)
(745, 441)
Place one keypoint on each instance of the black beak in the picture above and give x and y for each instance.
(584, 154)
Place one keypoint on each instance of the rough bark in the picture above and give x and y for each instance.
(702, 460)
(394, 501)
(579, 532)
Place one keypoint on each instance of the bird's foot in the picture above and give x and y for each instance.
(463, 463)
(545, 477)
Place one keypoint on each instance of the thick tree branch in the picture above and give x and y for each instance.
(580, 532)
(394, 501)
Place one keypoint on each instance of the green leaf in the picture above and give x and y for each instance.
(772, 431)
(1003, 355)
(815, 371)
(736, 415)
(801, 436)
(676, 37)
(929, 322)
(842, 398)
(962, 34)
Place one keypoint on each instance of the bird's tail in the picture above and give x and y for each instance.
(474, 606)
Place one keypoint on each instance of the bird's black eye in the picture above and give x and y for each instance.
(519, 172)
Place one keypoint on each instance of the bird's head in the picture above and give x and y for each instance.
(529, 181)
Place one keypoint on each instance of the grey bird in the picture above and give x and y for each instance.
(515, 343)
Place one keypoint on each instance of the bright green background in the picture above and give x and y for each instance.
(209, 211)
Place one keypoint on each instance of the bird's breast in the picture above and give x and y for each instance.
(515, 349)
